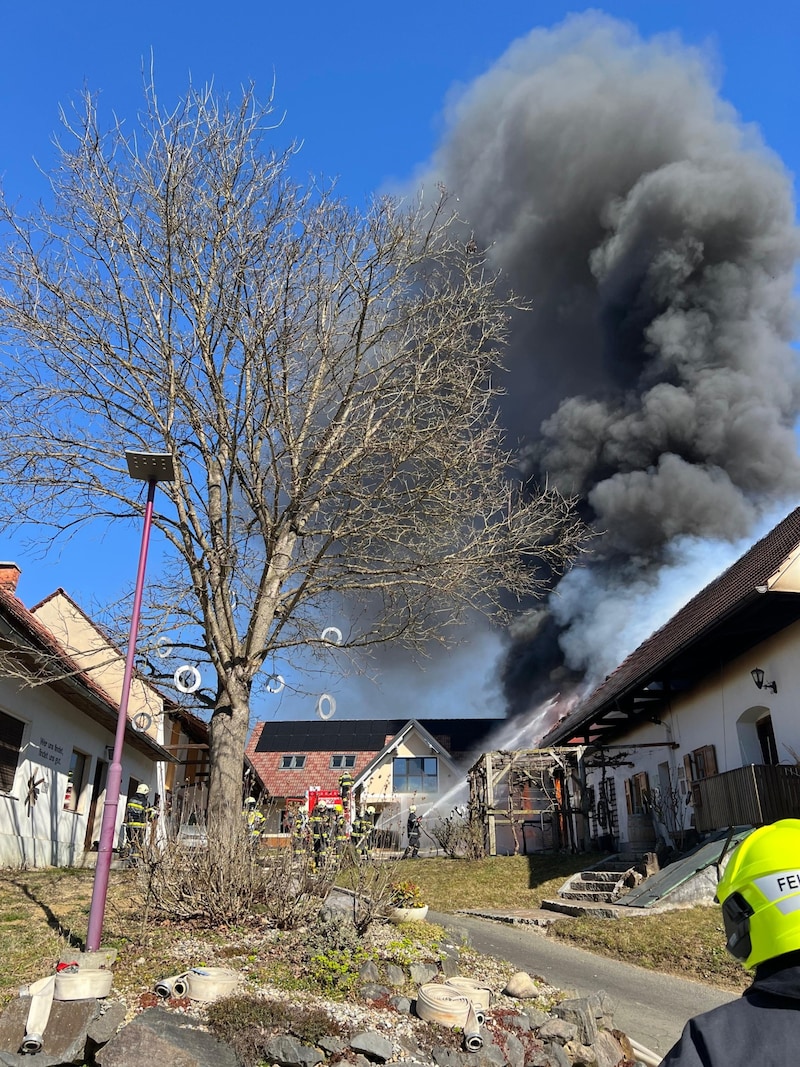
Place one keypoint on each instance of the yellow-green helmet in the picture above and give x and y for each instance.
(760, 894)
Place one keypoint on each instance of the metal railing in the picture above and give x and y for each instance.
(747, 796)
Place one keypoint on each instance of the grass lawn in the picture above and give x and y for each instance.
(44, 913)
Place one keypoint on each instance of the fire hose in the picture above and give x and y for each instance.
(174, 986)
(446, 1005)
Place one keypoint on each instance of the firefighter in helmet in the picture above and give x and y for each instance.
(760, 897)
(138, 815)
(253, 818)
(319, 825)
(362, 830)
(414, 832)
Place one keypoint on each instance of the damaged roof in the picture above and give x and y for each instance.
(754, 598)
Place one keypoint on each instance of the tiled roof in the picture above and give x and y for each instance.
(742, 584)
(319, 740)
(70, 681)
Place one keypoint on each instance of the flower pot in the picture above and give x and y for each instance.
(407, 915)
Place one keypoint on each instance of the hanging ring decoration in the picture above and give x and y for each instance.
(326, 706)
(187, 687)
(331, 634)
(142, 721)
(163, 647)
(275, 683)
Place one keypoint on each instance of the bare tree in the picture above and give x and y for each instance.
(325, 379)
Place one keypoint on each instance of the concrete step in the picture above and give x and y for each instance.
(573, 908)
(595, 875)
(596, 898)
(583, 885)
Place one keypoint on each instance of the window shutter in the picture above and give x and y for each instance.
(687, 765)
(11, 731)
(710, 757)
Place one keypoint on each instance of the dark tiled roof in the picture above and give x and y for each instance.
(364, 735)
(743, 583)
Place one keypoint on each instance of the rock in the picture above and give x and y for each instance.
(513, 1050)
(368, 972)
(523, 1022)
(608, 1049)
(556, 1055)
(535, 1016)
(420, 973)
(64, 1039)
(108, 1019)
(581, 1013)
(289, 1052)
(159, 1036)
(452, 955)
(521, 986)
(580, 1055)
(625, 1044)
(401, 1004)
(332, 1045)
(374, 991)
(374, 1046)
(395, 976)
(558, 1030)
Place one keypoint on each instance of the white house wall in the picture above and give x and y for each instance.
(37, 831)
(378, 790)
(722, 712)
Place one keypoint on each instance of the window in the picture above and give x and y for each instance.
(10, 744)
(416, 774)
(75, 781)
(636, 793)
(292, 763)
(702, 763)
(343, 762)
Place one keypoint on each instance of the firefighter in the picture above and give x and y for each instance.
(760, 897)
(253, 818)
(319, 828)
(300, 828)
(345, 785)
(414, 831)
(138, 816)
(338, 831)
(362, 829)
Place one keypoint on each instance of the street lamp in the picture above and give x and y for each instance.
(150, 467)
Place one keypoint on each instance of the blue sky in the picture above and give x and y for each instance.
(363, 87)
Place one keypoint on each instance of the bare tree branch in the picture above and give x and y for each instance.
(323, 377)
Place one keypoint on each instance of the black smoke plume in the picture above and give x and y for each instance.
(654, 235)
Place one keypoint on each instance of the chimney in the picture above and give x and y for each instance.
(9, 576)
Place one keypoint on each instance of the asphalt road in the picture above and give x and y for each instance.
(651, 1008)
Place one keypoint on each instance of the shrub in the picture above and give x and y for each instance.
(405, 895)
(245, 1023)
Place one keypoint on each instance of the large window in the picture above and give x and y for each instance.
(10, 743)
(416, 774)
(292, 763)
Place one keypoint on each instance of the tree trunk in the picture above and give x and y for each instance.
(229, 726)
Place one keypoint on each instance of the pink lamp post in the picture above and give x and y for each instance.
(150, 467)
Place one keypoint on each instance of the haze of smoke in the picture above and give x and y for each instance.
(654, 235)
